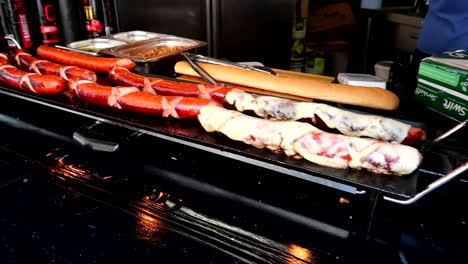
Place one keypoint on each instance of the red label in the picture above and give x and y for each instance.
(49, 11)
(50, 41)
(49, 29)
(25, 31)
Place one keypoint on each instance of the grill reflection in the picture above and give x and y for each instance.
(299, 255)
(148, 228)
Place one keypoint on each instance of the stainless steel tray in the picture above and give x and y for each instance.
(136, 35)
(154, 49)
(94, 46)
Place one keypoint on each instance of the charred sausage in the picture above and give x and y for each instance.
(132, 99)
(97, 64)
(32, 82)
(161, 86)
(28, 62)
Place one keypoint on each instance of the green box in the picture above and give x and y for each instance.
(443, 84)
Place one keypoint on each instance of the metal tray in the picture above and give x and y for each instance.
(144, 51)
(136, 35)
(94, 46)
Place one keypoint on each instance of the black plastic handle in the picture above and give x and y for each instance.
(103, 137)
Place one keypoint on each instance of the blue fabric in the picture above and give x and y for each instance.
(445, 27)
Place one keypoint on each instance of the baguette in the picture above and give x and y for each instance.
(371, 97)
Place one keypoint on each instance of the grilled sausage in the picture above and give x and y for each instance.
(32, 82)
(130, 98)
(97, 64)
(68, 73)
(160, 86)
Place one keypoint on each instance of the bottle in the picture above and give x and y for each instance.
(297, 59)
(3, 43)
(16, 23)
(398, 79)
(70, 19)
(48, 21)
(421, 8)
(110, 18)
(93, 21)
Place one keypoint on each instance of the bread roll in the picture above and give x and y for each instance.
(371, 97)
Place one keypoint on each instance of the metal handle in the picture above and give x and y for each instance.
(431, 187)
(12, 39)
(200, 58)
(82, 136)
(199, 70)
(103, 137)
(95, 54)
(446, 134)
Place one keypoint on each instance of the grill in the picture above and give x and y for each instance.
(337, 204)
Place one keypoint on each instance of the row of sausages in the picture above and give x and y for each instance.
(47, 77)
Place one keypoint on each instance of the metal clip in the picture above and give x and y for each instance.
(200, 58)
(12, 39)
(199, 69)
(431, 187)
(445, 135)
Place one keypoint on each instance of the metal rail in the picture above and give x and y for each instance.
(431, 187)
(441, 181)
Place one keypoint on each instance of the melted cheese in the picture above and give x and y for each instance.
(348, 123)
(275, 135)
(298, 138)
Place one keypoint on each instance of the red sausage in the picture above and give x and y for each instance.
(166, 106)
(99, 94)
(28, 62)
(415, 136)
(97, 64)
(130, 98)
(153, 85)
(32, 82)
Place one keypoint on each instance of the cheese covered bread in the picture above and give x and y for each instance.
(300, 139)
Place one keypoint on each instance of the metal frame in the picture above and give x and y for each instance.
(431, 187)
(441, 181)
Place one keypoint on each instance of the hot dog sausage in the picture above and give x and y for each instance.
(83, 61)
(153, 85)
(326, 117)
(131, 99)
(414, 136)
(32, 82)
(27, 61)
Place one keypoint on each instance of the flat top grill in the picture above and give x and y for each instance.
(191, 134)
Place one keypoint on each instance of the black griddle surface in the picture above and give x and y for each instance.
(190, 133)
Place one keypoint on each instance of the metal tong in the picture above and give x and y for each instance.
(192, 58)
(199, 70)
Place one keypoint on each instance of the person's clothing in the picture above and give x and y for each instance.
(445, 27)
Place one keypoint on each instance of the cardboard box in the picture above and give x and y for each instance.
(443, 84)
(331, 16)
